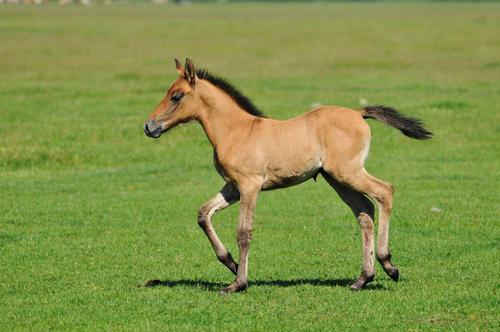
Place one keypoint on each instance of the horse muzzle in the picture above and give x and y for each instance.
(152, 129)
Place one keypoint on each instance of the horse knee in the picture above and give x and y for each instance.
(365, 221)
(203, 216)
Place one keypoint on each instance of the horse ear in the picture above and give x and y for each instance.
(190, 72)
(179, 67)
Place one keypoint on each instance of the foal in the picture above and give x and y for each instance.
(253, 153)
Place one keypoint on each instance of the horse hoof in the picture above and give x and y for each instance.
(394, 274)
(356, 286)
(362, 282)
(224, 292)
(233, 288)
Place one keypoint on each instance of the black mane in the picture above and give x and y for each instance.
(245, 103)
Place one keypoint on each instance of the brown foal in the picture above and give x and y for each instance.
(254, 153)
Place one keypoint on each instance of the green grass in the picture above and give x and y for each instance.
(90, 208)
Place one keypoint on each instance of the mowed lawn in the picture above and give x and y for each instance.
(90, 208)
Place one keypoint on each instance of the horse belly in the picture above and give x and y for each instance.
(278, 177)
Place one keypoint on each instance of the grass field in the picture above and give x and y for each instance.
(90, 208)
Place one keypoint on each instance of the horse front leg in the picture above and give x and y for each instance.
(248, 199)
(225, 197)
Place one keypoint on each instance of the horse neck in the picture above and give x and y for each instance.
(221, 118)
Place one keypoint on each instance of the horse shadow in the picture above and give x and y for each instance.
(217, 286)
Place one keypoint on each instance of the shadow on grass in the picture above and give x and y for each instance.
(217, 286)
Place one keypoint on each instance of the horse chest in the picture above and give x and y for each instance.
(219, 167)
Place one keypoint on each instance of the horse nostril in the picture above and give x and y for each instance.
(152, 129)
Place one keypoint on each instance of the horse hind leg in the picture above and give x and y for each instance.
(363, 211)
(382, 192)
(384, 202)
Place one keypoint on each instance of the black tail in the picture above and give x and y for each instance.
(410, 127)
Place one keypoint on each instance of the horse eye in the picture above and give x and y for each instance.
(176, 97)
